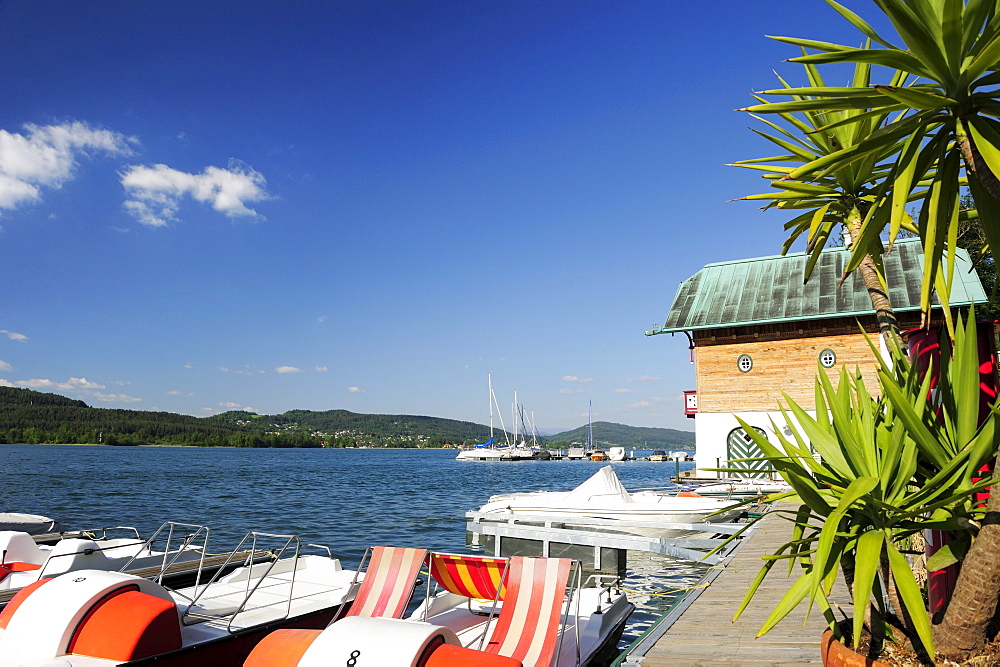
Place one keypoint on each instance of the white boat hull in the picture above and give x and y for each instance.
(603, 497)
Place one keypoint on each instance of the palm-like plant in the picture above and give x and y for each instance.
(888, 467)
(946, 120)
(842, 195)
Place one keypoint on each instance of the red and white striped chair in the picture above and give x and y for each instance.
(536, 604)
(390, 577)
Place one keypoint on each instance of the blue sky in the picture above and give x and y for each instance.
(370, 205)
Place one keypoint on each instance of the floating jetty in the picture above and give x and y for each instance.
(598, 543)
(697, 630)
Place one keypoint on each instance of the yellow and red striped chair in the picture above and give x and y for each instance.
(389, 581)
(535, 605)
(474, 577)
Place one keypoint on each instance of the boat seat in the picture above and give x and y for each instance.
(388, 583)
(18, 547)
(472, 577)
(75, 554)
(528, 625)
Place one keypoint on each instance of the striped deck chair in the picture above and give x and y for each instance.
(388, 584)
(535, 605)
(474, 577)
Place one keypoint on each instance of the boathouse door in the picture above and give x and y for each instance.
(739, 445)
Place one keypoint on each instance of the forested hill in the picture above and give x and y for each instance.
(606, 434)
(33, 417)
(347, 429)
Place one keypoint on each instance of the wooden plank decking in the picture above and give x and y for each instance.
(704, 635)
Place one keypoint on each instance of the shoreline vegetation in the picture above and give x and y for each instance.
(31, 417)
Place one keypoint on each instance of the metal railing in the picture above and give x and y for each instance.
(173, 550)
(251, 588)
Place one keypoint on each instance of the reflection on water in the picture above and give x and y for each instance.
(347, 499)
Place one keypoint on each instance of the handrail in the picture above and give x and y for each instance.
(276, 555)
(185, 542)
(321, 546)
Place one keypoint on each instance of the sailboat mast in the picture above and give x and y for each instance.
(489, 380)
(590, 432)
(514, 417)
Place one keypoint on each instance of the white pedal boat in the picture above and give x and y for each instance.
(604, 497)
(540, 617)
(23, 561)
(91, 618)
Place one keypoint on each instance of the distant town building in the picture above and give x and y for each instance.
(755, 330)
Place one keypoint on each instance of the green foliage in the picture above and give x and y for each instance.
(943, 122)
(808, 132)
(35, 418)
(342, 428)
(607, 434)
(870, 472)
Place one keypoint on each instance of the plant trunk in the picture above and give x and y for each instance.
(976, 166)
(884, 314)
(974, 601)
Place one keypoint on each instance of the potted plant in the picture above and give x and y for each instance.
(870, 472)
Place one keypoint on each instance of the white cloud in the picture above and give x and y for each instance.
(189, 365)
(13, 335)
(571, 391)
(322, 369)
(644, 378)
(623, 391)
(155, 193)
(45, 156)
(73, 384)
(229, 404)
(6, 383)
(287, 369)
(4, 366)
(573, 378)
(356, 390)
(114, 398)
(641, 405)
(176, 392)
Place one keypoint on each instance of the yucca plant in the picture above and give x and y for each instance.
(869, 472)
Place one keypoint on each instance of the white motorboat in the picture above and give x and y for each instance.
(91, 618)
(487, 451)
(604, 497)
(32, 524)
(617, 454)
(174, 547)
(539, 615)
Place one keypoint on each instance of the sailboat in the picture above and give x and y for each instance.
(488, 451)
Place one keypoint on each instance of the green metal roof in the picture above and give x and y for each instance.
(767, 290)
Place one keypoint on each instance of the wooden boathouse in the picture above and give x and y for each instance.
(755, 329)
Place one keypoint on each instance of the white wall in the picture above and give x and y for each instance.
(711, 429)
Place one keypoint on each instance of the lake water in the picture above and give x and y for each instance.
(347, 499)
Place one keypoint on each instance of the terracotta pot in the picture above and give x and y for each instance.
(836, 654)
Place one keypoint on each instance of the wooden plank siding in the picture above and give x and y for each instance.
(788, 366)
(785, 358)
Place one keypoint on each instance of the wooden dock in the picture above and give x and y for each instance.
(702, 634)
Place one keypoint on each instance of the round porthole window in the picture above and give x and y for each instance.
(827, 358)
(744, 363)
